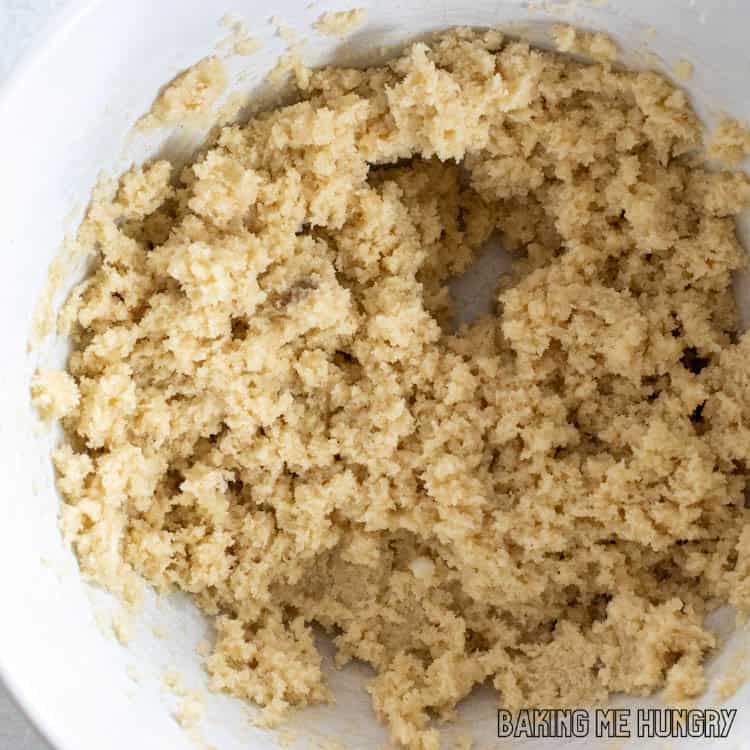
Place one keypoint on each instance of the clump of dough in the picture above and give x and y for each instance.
(54, 393)
(730, 141)
(277, 417)
(142, 190)
(341, 23)
(189, 96)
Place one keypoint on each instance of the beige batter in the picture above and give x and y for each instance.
(267, 406)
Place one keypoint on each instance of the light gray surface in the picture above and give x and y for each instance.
(20, 22)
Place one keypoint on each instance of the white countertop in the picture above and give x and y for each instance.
(20, 21)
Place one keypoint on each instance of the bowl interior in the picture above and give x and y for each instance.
(67, 116)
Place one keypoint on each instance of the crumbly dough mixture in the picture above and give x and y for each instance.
(273, 413)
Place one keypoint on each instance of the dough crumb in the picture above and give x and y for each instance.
(651, 60)
(188, 98)
(340, 23)
(54, 393)
(288, 737)
(247, 46)
(190, 710)
(122, 627)
(172, 681)
(730, 141)
(229, 21)
(239, 41)
(683, 70)
(285, 32)
(596, 45)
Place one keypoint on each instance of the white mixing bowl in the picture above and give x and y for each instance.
(64, 117)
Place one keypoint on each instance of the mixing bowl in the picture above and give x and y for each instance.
(64, 117)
